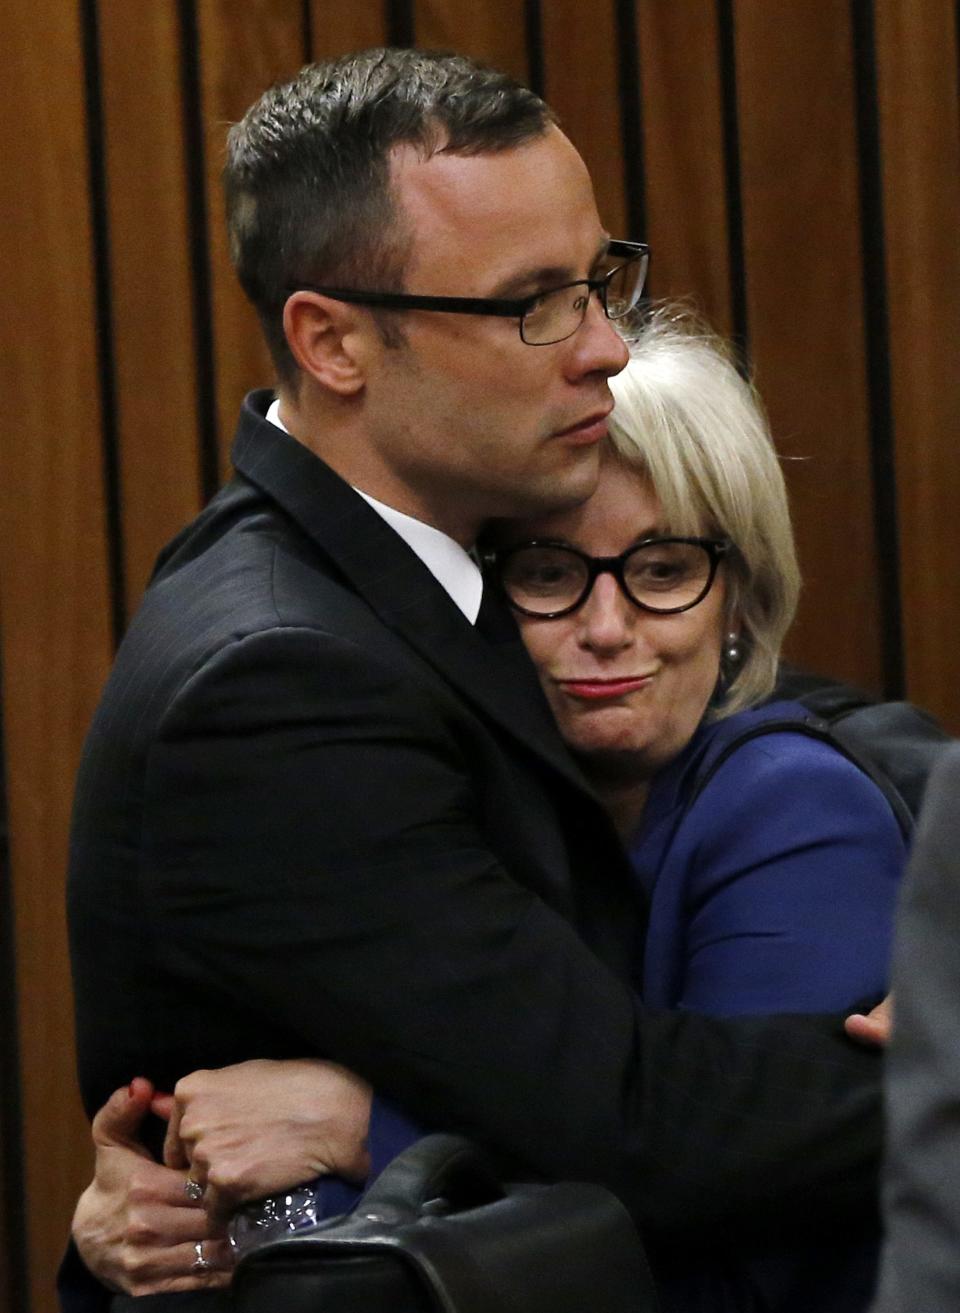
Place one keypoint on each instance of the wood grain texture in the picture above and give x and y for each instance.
(492, 32)
(920, 146)
(338, 28)
(243, 49)
(801, 214)
(154, 342)
(53, 583)
(581, 84)
(687, 222)
(795, 70)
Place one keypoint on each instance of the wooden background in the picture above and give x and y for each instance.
(796, 168)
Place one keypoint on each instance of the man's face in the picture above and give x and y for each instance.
(466, 420)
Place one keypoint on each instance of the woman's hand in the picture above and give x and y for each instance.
(255, 1128)
(134, 1226)
(873, 1028)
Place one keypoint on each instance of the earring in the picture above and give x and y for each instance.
(731, 648)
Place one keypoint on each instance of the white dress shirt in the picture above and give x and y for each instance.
(453, 567)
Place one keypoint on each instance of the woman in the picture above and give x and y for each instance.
(655, 614)
(650, 672)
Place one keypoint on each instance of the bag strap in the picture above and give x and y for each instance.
(812, 727)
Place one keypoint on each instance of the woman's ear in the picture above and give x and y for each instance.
(328, 340)
(732, 630)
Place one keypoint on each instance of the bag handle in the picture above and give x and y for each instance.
(437, 1175)
(461, 1241)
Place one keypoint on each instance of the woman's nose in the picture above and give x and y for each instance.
(607, 618)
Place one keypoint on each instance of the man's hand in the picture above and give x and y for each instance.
(261, 1126)
(134, 1226)
(874, 1028)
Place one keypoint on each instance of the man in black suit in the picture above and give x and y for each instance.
(318, 812)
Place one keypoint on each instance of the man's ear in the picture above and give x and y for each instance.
(329, 340)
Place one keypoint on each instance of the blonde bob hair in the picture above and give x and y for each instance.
(687, 420)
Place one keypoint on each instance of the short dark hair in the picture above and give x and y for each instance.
(307, 177)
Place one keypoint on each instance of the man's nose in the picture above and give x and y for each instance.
(596, 347)
(607, 618)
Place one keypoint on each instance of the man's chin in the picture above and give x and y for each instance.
(563, 491)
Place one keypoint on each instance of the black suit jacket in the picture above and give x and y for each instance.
(318, 813)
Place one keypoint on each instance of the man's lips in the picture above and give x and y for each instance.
(591, 429)
(596, 690)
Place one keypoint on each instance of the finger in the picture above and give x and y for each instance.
(176, 1267)
(882, 1014)
(158, 1226)
(181, 1285)
(876, 1026)
(146, 1183)
(224, 1195)
(118, 1121)
(870, 1030)
(217, 1253)
(162, 1106)
(174, 1150)
(219, 1206)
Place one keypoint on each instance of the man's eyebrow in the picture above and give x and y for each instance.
(529, 281)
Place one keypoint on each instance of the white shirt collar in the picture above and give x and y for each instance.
(454, 569)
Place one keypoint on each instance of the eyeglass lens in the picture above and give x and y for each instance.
(558, 315)
(660, 576)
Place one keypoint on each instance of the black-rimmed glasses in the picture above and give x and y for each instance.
(546, 317)
(663, 575)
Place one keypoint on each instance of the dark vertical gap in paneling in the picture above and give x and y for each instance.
(307, 12)
(533, 32)
(13, 1237)
(400, 24)
(100, 253)
(727, 51)
(198, 222)
(631, 118)
(876, 329)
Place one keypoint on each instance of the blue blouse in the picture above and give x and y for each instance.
(774, 890)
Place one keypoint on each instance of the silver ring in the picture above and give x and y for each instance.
(193, 1190)
(200, 1264)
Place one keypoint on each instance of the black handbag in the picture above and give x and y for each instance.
(439, 1231)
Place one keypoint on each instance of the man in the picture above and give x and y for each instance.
(318, 812)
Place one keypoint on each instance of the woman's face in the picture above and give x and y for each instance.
(621, 680)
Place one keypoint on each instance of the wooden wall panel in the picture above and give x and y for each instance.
(685, 200)
(581, 77)
(154, 344)
(336, 28)
(920, 144)
(54, 593)
(494, 32)
(180, 346)
(801, 216)
(243, 49)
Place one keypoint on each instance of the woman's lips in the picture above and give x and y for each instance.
(596, 690)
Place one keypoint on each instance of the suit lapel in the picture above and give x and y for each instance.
(496, 676)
